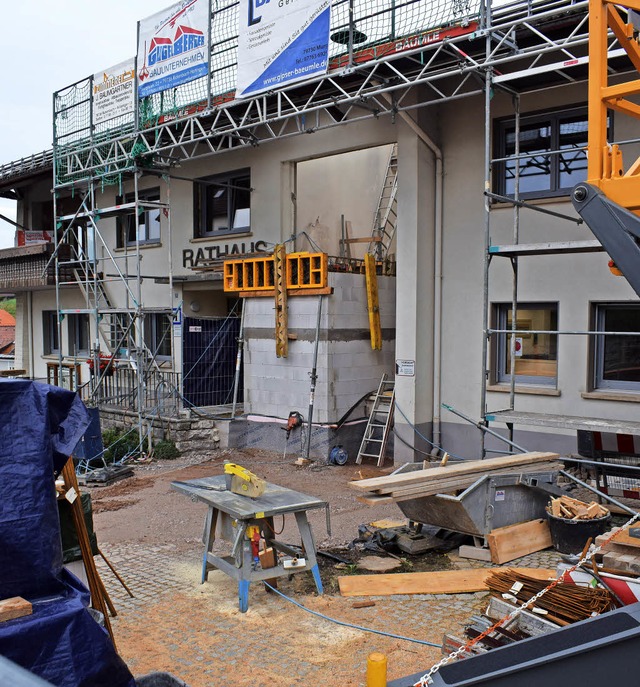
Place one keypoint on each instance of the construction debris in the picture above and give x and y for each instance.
(622, 555)
(572, 509)
(453, 477)
(563, 604)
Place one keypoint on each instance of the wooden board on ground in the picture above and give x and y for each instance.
(440, 582)
(15, 607)
(514, 541)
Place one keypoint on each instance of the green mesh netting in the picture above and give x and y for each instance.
(105, 149)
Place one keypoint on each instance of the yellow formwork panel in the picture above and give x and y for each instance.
(307, 270)
(304, 271)
(253, 274)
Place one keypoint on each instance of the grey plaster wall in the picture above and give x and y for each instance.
(347, 366)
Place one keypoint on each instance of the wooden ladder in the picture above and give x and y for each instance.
(376, 434)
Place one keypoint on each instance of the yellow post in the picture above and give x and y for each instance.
(376, 670)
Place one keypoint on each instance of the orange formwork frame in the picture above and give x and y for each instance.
(605, 164)
(302, 271)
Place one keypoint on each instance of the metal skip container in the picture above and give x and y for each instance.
(490, 502)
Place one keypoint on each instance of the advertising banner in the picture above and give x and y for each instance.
(113, 93)
(173, 47)
(28, 238)
(281, 42)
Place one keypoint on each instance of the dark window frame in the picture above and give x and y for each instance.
(50, 340)
(221, 196)
(500, 350)
(597, 357)
(158, 341)
(79, 333)
(127, 225)
(554, 119)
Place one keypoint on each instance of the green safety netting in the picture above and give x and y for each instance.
(377, 25)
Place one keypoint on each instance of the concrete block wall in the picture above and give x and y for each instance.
(347, 367)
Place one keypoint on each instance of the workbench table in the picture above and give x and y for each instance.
(231, 514)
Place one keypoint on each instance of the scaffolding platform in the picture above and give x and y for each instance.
(592, 424)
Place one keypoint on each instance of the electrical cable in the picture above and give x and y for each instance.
(417, 431)
(345, 624)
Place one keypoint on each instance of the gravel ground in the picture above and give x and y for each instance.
(152, 535)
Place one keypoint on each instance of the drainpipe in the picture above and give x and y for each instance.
(437, 277)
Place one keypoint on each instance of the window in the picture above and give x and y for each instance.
(121, 332)
(50, 341)
(617, 358)
(157, 334)
(78, 326)
(536, 358)
(552, 153)
(222, 204)
(145, 227)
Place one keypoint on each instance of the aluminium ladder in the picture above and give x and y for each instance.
(376, 434)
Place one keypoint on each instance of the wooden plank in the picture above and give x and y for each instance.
(325, 291)
(441, 486)
(440, 582)
(15, 607)
(451, 470)
(464, 481)
(514, 541)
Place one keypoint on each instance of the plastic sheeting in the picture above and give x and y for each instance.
(39, 427)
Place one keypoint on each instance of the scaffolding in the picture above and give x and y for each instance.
(381, 53)
(608, 45)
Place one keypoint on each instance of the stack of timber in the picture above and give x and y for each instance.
(444, 480)
(572, 509)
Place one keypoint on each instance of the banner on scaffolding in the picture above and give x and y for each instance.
(281, 42)
(173, 47)
(112, 94)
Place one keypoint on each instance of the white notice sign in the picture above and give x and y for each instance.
(405, 368)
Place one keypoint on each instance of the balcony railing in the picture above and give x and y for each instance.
(28, 267)
(158, 389)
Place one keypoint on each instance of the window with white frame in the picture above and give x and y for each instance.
(157, 334)
(78, 328)
(143, 227)
(536, 348)
(222, 204)
(617, 356)
(50, 340)
(553, 155)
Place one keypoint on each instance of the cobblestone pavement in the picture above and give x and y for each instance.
(196, 631)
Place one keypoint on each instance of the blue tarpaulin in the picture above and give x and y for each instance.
(61, 642)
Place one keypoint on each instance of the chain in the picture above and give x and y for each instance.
(426, 678)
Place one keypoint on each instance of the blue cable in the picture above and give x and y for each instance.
(417, 431)
(355, 627)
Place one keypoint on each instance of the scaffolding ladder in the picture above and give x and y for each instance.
(376, 434)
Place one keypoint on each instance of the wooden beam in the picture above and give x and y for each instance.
(326, 291)
(280, 282)
(440, 582)
(514, 541)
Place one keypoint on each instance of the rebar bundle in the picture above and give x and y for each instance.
(564, 604)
